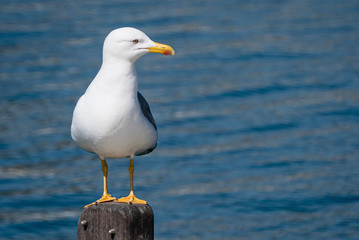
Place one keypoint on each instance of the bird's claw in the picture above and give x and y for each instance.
(104, 198)
(131, 199)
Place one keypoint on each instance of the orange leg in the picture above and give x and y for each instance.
(106, 197)
(131, 198)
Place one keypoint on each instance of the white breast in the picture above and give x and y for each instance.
(108, 120)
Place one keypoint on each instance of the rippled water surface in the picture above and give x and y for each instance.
(258, 117)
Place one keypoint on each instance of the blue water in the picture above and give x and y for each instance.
(258, 117)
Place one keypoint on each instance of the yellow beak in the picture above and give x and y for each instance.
(162, 48)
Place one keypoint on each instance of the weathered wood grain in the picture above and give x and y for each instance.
(116, 221)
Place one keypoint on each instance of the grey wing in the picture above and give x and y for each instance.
(146, 109)
(147, 112)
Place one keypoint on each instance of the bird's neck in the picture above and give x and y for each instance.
(118, 77)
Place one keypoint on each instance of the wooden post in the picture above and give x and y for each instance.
(116, 221)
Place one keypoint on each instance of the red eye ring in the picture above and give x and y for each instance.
(135, 41)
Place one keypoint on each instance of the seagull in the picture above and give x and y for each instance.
(112, 119)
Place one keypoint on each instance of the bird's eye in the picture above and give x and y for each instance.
(135, 41)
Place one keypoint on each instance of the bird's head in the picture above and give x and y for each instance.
(130, 44)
